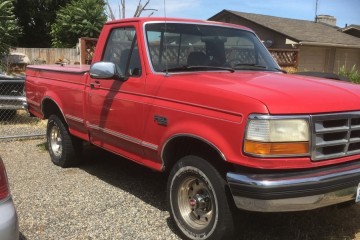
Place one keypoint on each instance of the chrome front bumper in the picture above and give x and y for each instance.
(295, 191)
(12, 102)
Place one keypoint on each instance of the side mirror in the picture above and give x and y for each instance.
(105, 70)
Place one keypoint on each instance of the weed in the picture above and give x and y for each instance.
(353, 75)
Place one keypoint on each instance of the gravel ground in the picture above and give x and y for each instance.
(105, 198)
(108, 197)
(20, 125)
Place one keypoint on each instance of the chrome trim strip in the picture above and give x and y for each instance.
(149, 145)
(76, 71)
(115, 134)
(278, 117)
(13, 80)
(124, 137)
(13, 98)
(292, 180)
(13, 107)
(76, 119)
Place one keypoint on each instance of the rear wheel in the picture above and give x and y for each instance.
(198, 200)
(64, 149)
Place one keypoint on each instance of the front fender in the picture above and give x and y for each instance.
(223, 136)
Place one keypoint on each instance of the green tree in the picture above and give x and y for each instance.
(80, 18)
(35, 18)
(9, 29)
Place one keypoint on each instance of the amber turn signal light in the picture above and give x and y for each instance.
(275, 148)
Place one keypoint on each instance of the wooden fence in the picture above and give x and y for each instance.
(50, 55)
(87, 48)
(286, 57)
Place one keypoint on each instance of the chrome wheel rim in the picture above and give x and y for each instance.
(56, 141)
(195, 203)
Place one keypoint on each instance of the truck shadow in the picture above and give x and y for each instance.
(330, 223)
(144, 183)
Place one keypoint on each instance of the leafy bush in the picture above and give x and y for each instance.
(353, 75)
(80, 18)
(9, 28)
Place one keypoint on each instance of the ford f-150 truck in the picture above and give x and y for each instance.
(207, 103)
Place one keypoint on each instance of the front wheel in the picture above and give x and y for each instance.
(198, 200)
(64, 149)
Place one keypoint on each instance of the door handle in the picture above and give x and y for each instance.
(95, 85)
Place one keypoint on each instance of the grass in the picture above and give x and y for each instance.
(353, 75)
(42, 147)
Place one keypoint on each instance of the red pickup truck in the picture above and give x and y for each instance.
(207, 103)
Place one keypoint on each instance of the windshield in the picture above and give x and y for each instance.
(196, 47)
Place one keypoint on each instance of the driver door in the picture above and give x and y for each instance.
(115, 107)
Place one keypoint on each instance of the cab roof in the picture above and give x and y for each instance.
(142, 20)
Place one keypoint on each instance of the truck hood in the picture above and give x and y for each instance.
(284, 93)
(287, 93)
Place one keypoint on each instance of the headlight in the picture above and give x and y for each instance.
(280, 136)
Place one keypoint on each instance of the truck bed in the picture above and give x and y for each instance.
(42, 81)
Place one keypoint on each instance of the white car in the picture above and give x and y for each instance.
(9, 226)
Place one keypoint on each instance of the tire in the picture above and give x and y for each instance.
(64, 149)
(198, 202)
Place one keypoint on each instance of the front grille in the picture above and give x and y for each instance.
(11, 88)
(335, 135)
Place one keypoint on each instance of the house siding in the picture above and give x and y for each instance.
(323, 57)
(326, 59)
(346, 57)
(312, 59)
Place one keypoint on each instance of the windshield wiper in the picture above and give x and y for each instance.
(197, 68)
(251, 65)
(280, 70)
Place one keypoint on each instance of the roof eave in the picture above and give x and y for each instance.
(271, 29)
(319, 44)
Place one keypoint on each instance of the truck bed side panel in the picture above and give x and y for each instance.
(65, 88)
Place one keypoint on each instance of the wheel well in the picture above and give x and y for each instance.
(180, 147)
(49, 107)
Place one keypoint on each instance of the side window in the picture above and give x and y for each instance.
(122, 49)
